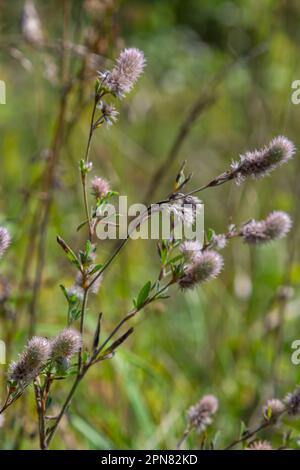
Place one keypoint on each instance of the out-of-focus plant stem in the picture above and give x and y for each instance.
(50, 175)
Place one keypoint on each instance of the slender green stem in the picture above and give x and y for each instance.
(86, 160)
(82, 318)
(183, 438)
(64, 408)
(249, 434)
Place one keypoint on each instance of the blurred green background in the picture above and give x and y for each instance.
(231, 338)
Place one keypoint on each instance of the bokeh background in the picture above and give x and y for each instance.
(218, 82)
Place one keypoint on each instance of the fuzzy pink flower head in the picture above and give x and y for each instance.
(254, 232)
(129, 66)
(5, 240)
(278, 224)
(66, 344)
(273, 409)
(201, 415)
(100, 187)
(202, 267)
(30, 362)
(260, 163)
(260, 445)
(274, 227)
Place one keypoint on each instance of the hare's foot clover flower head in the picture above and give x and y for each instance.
(202, 267)
(260, 445)
(278, 224)
(201, 415)
(100, 187)
(5, 240)
(260, 163)
(128, 68)
(254, 232)
(30, 362)
(292, 402)
(274, 227)
(273, 409)
(66, 344)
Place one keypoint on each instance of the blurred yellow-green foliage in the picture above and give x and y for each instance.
(223, 338)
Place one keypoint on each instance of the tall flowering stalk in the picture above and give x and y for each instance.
(185, 264)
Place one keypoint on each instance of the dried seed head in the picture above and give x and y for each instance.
(260, 445)
(128, 68)
(201, 415)
(278, 224)
(66, 344)
(109, 112)
(274, 227)
(204, 266)
(292, 402)
(5, 240)
(260, 163)
(30, 362)
(100, 187)
(273, 409)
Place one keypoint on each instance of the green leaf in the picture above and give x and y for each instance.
(97, 86)
(210, 234)
(143, 294)
(75, 312)
(243, 429)
(69, 252)
(85, 356)
(65, 292)
(81, 225)
(111, 349)
(175, 259)
(96, 268)
(164, 252)
(88, 248)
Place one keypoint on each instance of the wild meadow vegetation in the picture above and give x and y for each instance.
(139, 344)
